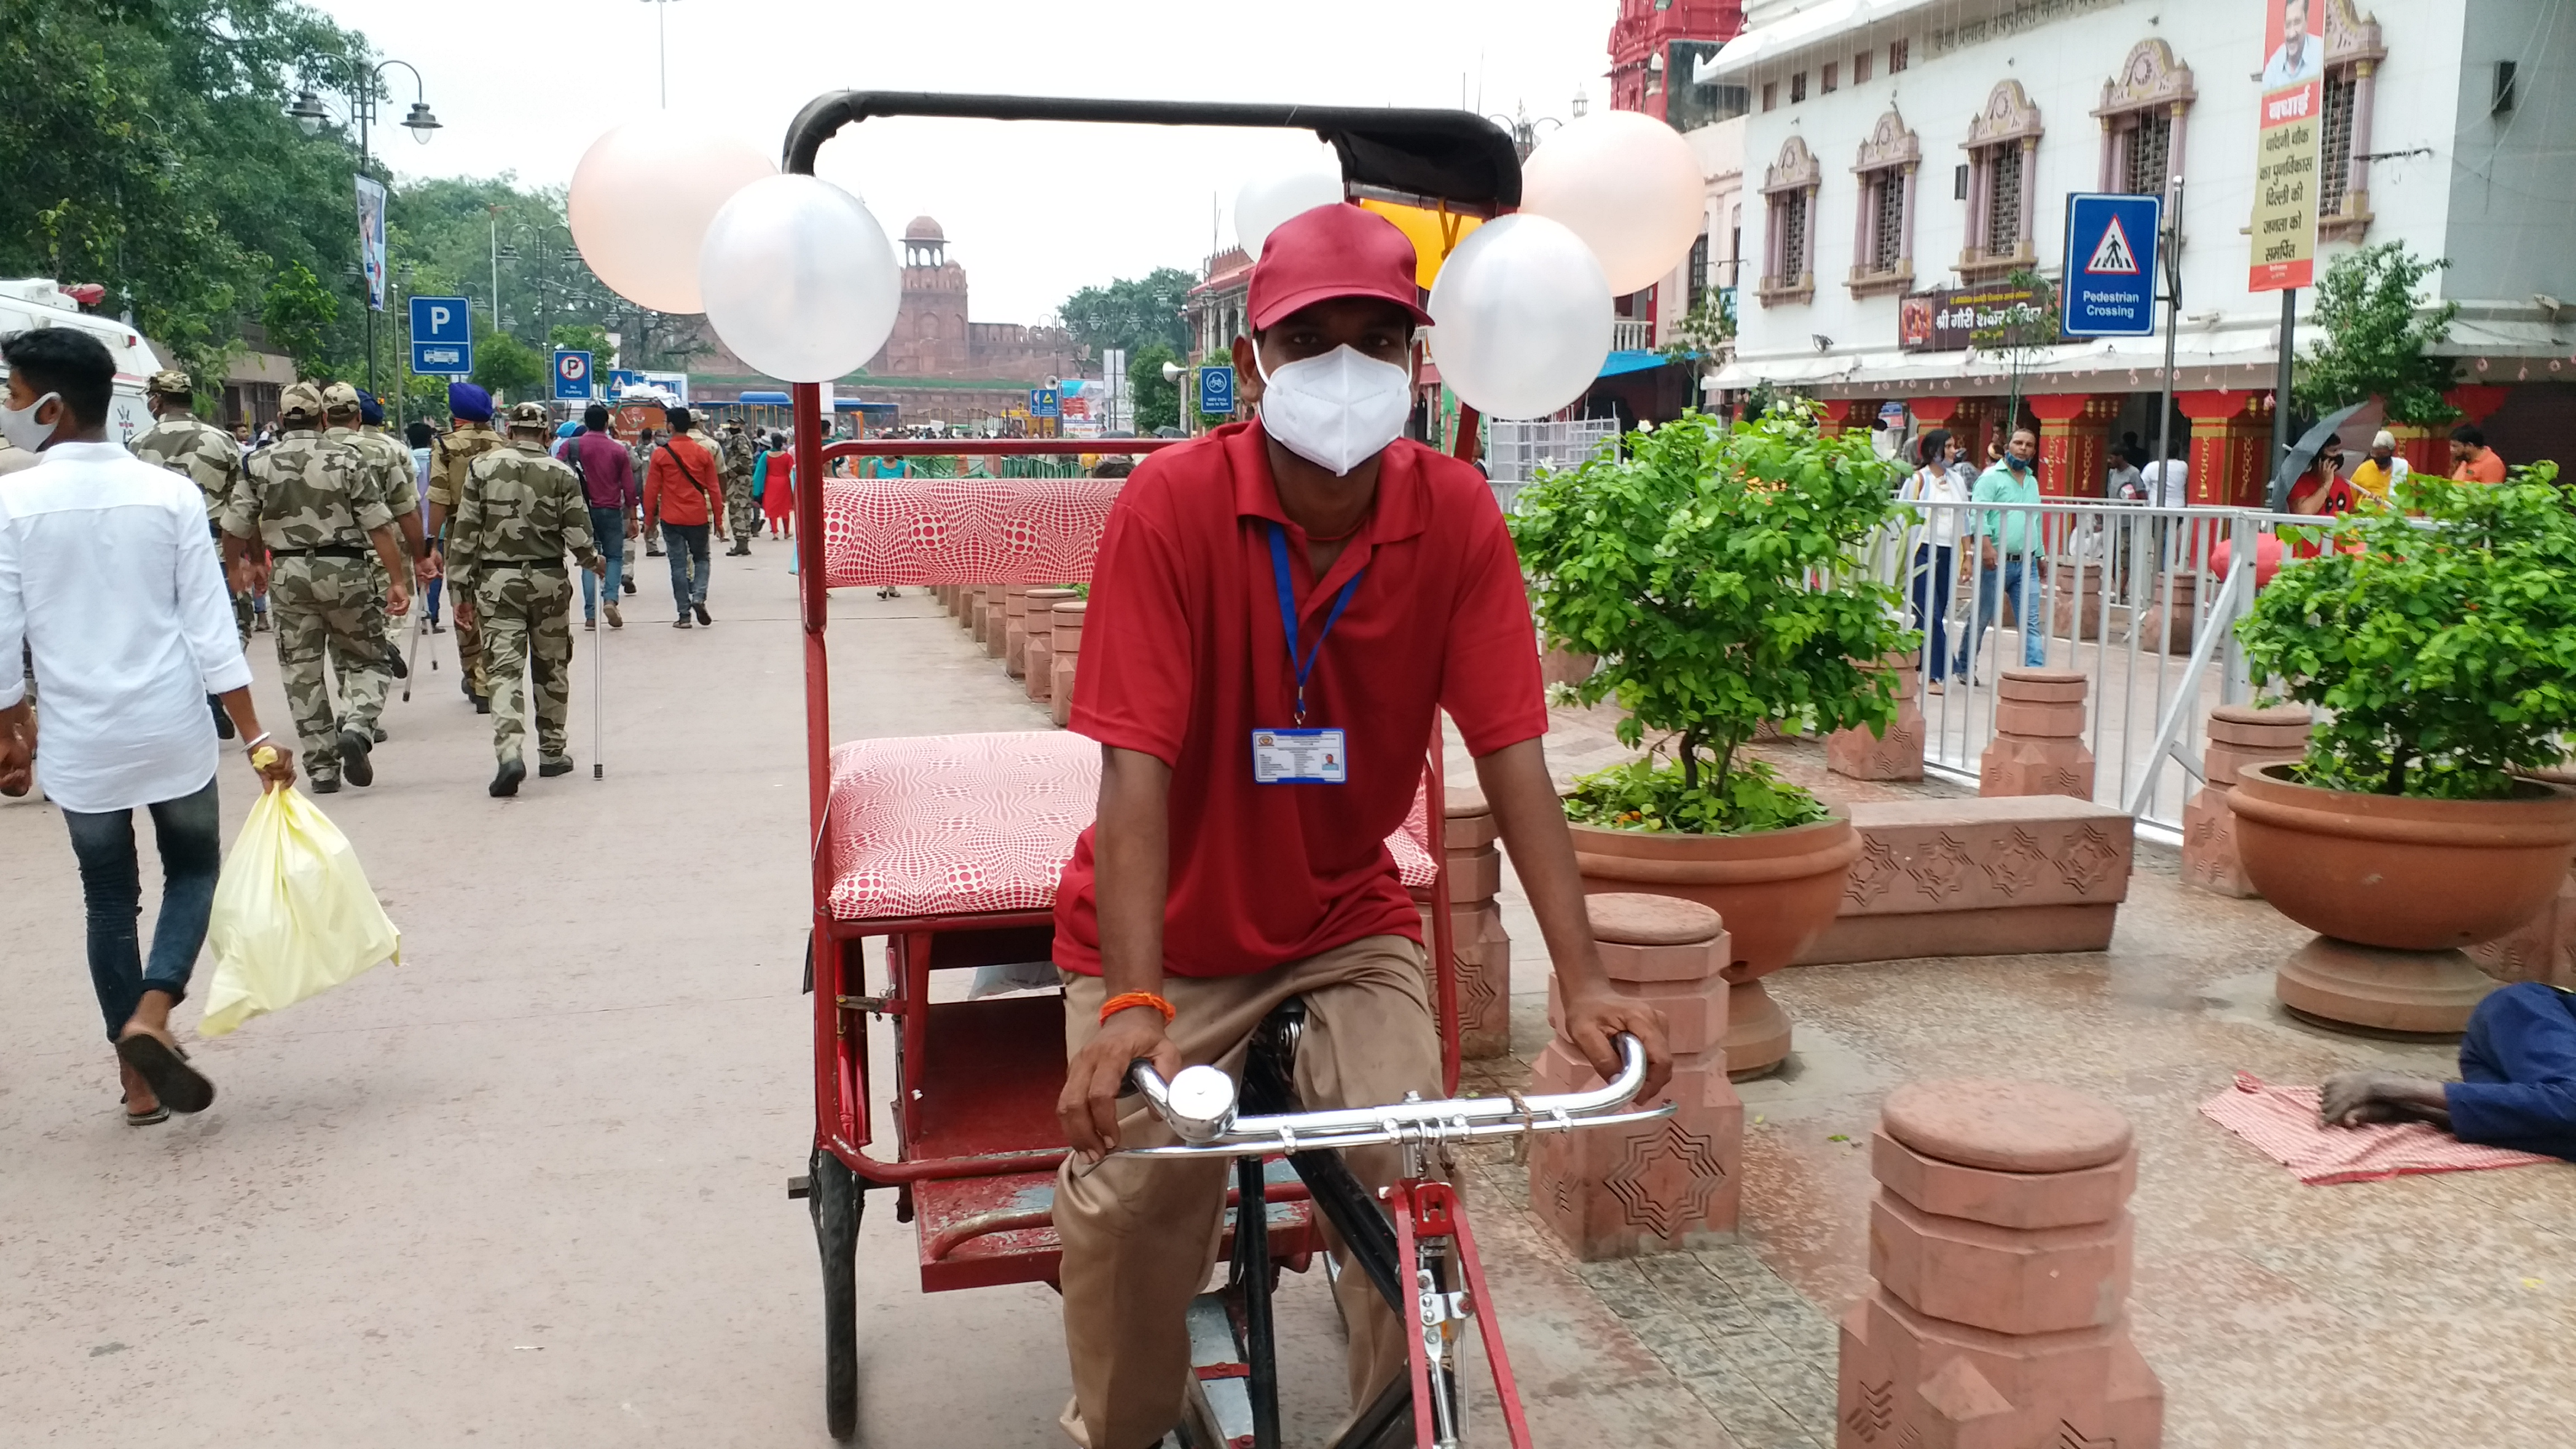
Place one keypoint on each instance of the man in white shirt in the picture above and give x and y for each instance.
(108, 575)
(2167, 481)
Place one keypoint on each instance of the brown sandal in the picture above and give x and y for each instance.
(161, 1062)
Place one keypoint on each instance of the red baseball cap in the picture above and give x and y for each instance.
(1328, 252)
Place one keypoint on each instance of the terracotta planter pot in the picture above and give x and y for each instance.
(1778, 891)
(2400, 873)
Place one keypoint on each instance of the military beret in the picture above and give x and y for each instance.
(300, 399)
(170, 382)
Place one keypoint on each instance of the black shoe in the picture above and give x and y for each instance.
(401, 670)
(377, 733)
(223, 722)
(682, 622)
(548, 769)
(324, 784)
(354, 749)
(506, 783)
(465, 686)
(482, 704)
(627, 584)
(705, 619)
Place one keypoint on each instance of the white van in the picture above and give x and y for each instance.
(36, 302)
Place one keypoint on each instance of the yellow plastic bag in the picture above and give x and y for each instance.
(294, 915)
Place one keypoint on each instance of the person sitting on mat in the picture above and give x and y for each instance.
(2518, 1087)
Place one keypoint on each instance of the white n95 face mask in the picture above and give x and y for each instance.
(1336, 411)
(20, 427)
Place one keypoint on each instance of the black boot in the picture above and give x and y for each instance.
(506, 783)
(355, 747)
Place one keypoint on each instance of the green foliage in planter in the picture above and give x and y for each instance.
(2375, 339)
(1686, 566)
(2441, 650)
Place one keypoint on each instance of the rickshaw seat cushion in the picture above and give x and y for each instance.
(978, 531)
(957, 824)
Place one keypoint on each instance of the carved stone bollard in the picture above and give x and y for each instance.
(2541, 949)
(1663, 1185)
(1067, 645)
(1483, 948)
(997, 606)
(1015, 630)
(2000, 1241)
(2239, 736)
(979, 608)
(1037, 654)
(2173, 615)
(2078, 614)
(1896, 755)
(2038, 748)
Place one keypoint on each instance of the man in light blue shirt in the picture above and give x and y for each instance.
(2009, 550)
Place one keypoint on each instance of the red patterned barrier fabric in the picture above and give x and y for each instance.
(979, 531)
(955, 825)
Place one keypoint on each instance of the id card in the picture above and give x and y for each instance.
(1299, 757)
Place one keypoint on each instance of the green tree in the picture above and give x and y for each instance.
(504, 364)
(1158, 403)
(298, 312)
(2378, 338)
(1132, 312)
(2022, 334)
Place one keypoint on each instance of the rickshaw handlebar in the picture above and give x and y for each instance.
(1199, 1104)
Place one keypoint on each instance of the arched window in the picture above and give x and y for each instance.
(1789, 234)
(1883, 231)
(2353, 54)
(2142, 112)
(2002, 143)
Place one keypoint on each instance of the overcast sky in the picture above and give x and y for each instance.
(1033, 212)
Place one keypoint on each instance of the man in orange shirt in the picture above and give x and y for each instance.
(684, 494)
(2473, 461)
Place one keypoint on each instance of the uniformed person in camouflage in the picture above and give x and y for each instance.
(204, 454)
(304, 498)
(519, 512)
(385, 466)
(742, 513)
(449, 456)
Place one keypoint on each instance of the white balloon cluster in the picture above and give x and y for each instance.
(793, 273)
(1610, 204)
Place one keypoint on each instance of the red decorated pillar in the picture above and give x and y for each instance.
(2074, 438)
(2231, 443)
(2476, 401)
(1834, 414)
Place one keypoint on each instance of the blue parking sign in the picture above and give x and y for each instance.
(442, 336)
(1216, 390)
(572, 376)
(2110, 286)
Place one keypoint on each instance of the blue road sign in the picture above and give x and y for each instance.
(1045, 402)
(2110, 287)
(572, 376)
(1216, 390)
(622, 378)
(442, 336)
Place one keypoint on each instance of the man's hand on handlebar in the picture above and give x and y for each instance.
(1088, 1107)
(1593, 1023)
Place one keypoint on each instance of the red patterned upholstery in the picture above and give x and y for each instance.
(879, 531)
(955, 825)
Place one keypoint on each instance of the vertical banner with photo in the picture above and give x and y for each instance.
(2285, 157)
(371, 239)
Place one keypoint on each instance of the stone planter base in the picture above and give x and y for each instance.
(1757, 1032)
(2337, 983)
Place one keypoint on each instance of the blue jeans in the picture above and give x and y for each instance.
(687, 544)
(2022, 581)
(2518, 1064)
(608, 532)
(1932, 602)
(188, 832)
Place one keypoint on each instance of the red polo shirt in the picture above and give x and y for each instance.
(1184, 656)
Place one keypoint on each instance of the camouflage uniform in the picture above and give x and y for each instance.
(206, 455)
(449, 456)
(741, 513)
(643, 454)
(521, 511)
(304, 499)
(385, 468)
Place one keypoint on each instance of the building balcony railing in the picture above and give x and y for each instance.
(1629, 334)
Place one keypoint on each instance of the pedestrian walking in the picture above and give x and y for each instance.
(420, 435)
(305, 500)
(2472, 461)
(778, 489)
(205, 455)
(2008, 553)
(739, 508)
(109, 577)
(1934, 490)
(520, 512)
(386, 467)
(2383, 472)
(683, 498)
(643, 454)
(471, 438)
(610, 491)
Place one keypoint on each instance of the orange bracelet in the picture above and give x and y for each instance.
(1126, 999)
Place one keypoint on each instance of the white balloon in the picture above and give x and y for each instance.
(641, 200)
(1266, 201)
(1628, 185)
(1522, 317)
(799, 279)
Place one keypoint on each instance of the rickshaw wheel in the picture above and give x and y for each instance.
(835, 1202)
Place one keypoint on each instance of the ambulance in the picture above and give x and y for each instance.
(36, 302)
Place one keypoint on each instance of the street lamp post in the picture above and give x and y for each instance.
(662, 41)
(364, 84)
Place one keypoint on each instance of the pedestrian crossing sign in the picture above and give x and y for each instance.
(2111, 255)
(2110, 265)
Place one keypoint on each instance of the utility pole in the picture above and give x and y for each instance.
(2281, 382)
(662, 40)
(2171, 248)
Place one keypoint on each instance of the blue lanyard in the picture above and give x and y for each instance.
(1302, 666)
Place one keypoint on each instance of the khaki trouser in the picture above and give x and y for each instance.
(1141, 1234)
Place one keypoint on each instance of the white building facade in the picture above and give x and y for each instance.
(1903, 158)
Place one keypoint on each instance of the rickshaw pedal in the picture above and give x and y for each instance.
(1219, 1410)
(800, 1186)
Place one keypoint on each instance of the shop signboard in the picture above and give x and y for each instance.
(1954, 319)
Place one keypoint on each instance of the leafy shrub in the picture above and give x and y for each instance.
(1706, 570)
(2442, 649)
